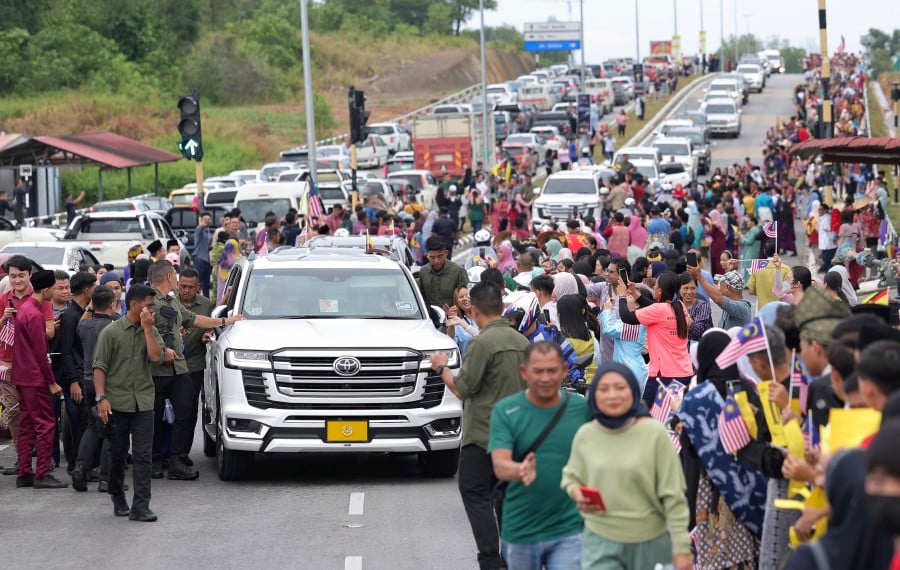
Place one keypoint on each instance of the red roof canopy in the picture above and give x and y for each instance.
(105, 148)
(851, 149)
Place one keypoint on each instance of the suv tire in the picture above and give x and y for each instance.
(231, 465)
(439, 464)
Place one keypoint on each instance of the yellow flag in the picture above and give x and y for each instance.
(848, 428)
(743, 405)
(773, 416)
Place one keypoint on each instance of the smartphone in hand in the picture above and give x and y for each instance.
(691, 258)
(623, 275)
(593, 497)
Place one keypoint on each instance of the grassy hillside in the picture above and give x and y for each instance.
(399, 74)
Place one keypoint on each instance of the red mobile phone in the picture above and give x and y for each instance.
(593, 497)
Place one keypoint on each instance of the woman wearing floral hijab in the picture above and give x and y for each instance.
(645, 519)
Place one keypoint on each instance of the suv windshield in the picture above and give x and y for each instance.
(667, 149)
(329, 293)
(331, 193)
(255, 210)
(43, 255)
(719, 110)
(671, 168)
(413, 180)
(111, 226)
(570, 186)
(382, 130)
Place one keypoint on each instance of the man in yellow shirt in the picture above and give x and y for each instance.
(762, 282)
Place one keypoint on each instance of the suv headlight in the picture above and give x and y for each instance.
(255, 359)
(452, 362)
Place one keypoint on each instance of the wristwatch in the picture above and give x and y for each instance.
(100, 397)
(223, 321)
(439, 369)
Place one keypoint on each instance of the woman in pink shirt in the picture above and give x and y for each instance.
(667, 323)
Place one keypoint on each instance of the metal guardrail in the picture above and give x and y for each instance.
(463, 96)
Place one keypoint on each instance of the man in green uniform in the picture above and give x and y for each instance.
(538, 522)
(196, 339)
(171, 377)
(440, 277)
(489, 373)
(125, 395)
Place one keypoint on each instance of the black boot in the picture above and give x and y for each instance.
(120, 506)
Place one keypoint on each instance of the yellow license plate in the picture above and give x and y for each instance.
(341, 431)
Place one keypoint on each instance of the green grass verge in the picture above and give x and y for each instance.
(878, 129)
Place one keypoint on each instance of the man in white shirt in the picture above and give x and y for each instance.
(827, 238)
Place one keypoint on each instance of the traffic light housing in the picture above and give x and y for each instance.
(191, 143)
(358, 115)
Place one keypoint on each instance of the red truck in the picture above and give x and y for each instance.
(451, 142)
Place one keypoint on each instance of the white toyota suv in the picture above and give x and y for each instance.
(333, 357)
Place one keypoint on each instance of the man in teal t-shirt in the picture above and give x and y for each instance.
(540, 523)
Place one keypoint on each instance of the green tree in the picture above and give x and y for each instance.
(462, 10)
(12, 46)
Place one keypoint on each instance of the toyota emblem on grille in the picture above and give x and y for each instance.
(346, 366)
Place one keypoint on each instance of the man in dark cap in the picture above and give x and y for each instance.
(33, 377)
(156, 250)
(172, 246)
(112, 280)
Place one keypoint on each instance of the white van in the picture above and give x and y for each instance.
(601, 89)
(254, 200)
(219, 197)
(538, 94)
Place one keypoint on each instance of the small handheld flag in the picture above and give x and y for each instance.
(757, 265)
(750, 339)
(732, 429)
(770, 229)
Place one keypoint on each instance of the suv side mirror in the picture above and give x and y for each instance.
(438, 317)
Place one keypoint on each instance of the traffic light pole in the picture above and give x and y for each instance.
(355, 189)
(200, 192)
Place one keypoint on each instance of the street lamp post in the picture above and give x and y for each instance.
(722, 34)
(637, 32)
(484, 110)
(308, 94)
(675, 7)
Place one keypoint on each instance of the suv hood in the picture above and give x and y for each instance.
(321, 333)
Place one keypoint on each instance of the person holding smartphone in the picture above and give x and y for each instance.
(641, 519)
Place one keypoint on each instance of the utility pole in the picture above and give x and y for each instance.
(722, 34)
(736, 56)
(582, 43)
(308, 94)
(675, 6)
(484, 109)
(637, 32)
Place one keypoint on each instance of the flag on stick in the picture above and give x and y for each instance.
(750, 339)
(770, 229)
(757, 265)
(732, 429)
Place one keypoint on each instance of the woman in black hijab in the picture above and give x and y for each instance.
(629, 458)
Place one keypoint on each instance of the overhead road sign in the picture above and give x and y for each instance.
(553, 27)
(553, 46)
(552, 36)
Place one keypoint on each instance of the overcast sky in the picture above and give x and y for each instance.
(610, 24)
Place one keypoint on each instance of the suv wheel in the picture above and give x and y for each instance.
(439, 463)
(231, 465)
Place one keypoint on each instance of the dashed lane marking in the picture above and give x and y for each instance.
(353, 563)
(357, 502)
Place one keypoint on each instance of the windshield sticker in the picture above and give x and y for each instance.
(328, 306)
(404, 306)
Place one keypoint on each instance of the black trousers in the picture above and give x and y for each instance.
(135, 428)
(93, 450)
(179, 390)
(476, 487)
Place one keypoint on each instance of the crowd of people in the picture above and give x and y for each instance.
(657, 385)
(760, 440)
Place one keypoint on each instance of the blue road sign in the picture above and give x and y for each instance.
(553, 45)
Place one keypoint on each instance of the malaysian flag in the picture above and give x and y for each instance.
(811, 438)
(732, 429)
(799, 382)
(662, 405)
(843, 45)
(770, 229)
(630, 332)
(750, 339)
(676, 440)
(316, 210)
(758, 264)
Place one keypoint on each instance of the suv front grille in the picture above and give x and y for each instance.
(307, 380)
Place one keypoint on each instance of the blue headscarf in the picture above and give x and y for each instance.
(638, 407)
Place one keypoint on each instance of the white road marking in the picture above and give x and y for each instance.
(353, 563)
(2, 447)
(357, 501)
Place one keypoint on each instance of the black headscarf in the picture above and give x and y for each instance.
(711, 345)
(638, 407)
